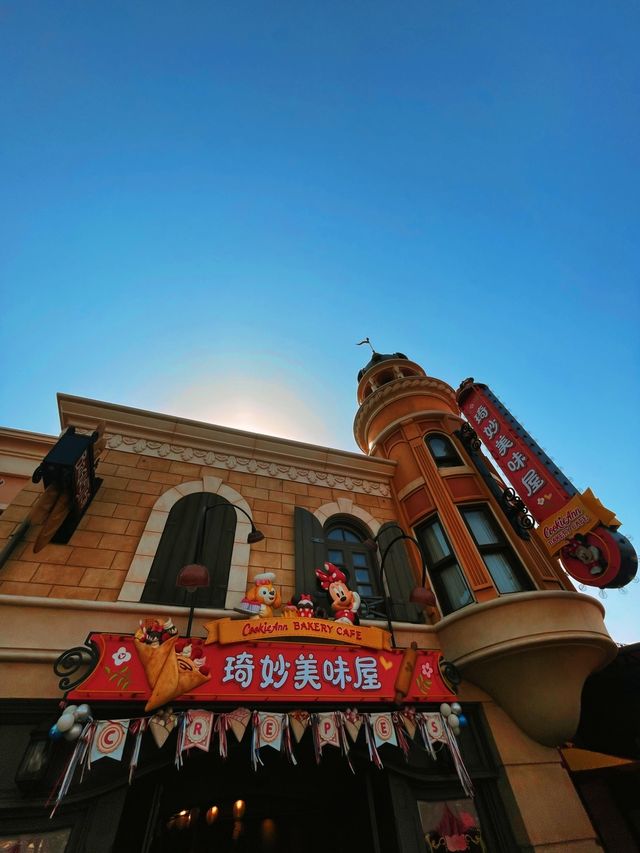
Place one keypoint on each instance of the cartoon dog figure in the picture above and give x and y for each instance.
(344, 602)
(262, 598)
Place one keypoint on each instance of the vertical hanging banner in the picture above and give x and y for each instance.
(109, 740)
(383, 729)
(328, 733)
(576, 527)
(269, 730)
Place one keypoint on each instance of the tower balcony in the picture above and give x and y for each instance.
(531, 652)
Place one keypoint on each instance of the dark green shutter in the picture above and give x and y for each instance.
(399, 575)
(177, 549)
(310, 550)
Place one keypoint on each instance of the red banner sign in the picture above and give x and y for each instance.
(523, 463)
(263, 672)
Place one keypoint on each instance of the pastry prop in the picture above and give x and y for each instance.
(173, 666)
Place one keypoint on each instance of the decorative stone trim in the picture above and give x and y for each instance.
(399, 388)
(245, 464)
(345, 506)
(136, 578)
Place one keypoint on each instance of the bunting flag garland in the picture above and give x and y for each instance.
(198, 729)
(383, 729)
(195, 728)
(371, 743)
(221, 727)
(299, 722)
(352, 723)
(238, 721)
(109, 739)
(401, 733)
(161, 725)
(138, 727)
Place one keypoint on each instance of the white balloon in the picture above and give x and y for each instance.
(83, 712)
(74, 732)
(445, 709)
(456, 707)
(453, 721)
(70, 709)
(65, 722)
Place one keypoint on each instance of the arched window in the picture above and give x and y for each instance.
(442, 450)
(179, 545)
(346, 550)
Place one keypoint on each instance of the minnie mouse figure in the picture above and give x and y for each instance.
(344, 602)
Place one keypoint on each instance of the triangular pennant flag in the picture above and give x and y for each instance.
(299, 723)
(269, 730)
(383, 730)
(409, 721)
(238, 721)
(161, 725)
(198, 729)
(328, 731)
(352, 723)
(435, 727)
(109, 739)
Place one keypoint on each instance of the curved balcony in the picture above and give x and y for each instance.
(531, 652)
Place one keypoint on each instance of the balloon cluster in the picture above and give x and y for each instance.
(70, 723)
(456, 720)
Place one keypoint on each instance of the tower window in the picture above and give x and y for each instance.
(442, 450)
(505, 570)
(447, 577)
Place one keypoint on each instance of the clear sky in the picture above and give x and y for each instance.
(205, 205)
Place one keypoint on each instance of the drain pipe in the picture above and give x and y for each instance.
(15, 537)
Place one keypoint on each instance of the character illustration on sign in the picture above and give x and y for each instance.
(262, 597)
(579, 548)
(344, 602)
(172, 666)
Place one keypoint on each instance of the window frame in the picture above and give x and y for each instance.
(435, 568)
(501, 546)
(341, 523)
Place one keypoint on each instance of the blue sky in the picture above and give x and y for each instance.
(206, 205)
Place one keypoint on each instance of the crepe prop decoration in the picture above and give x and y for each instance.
(173, 666)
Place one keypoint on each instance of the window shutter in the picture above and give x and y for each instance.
(399, 575)
(177, 549)
(310, 549)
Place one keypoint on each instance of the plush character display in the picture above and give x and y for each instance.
(344, 602)
(262, 597)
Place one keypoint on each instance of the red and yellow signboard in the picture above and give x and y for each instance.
(578, 527)
(267, 672)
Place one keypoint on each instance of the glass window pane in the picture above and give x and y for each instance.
(362, 576)
(336, 535)
(455, 585)
(336, 557)
(481, 527)
(350, 536)
(502, 573)
(435, 542)
(439, 446)
(365, 590)
(359, 559)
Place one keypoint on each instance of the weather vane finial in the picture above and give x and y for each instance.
(366, 341)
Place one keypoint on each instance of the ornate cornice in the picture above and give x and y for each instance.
(245, 464)
(394, 390)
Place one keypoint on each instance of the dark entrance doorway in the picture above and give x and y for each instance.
(225, 806)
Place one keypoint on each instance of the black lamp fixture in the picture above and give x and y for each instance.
(421, 595)
(195, 575)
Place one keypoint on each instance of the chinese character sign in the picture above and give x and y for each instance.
(273, 672)
(577, 527)
(526, 466)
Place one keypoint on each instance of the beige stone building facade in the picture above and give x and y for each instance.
(502, 612)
